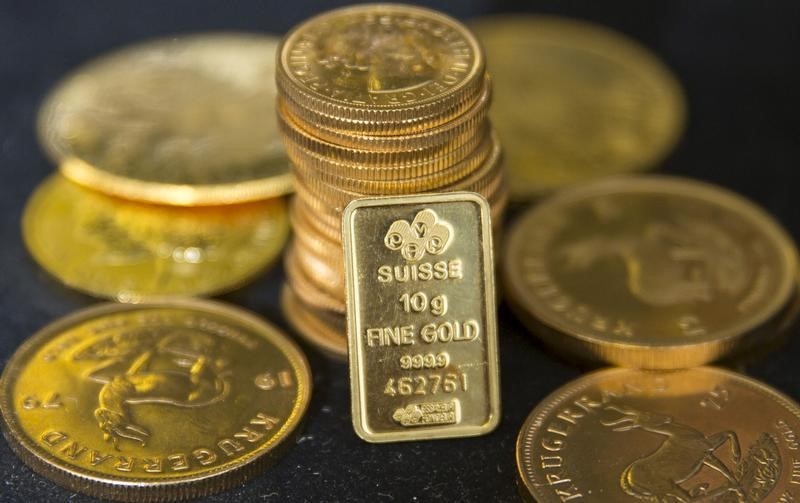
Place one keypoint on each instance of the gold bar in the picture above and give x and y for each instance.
(421, 317)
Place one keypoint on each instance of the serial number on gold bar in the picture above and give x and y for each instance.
(421, 317)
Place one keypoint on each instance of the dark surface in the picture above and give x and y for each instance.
(737, 61)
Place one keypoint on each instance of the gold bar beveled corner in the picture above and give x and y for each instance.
(421, 317)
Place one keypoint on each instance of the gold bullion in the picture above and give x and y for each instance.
(381, 69)
(649, 271)
(128, 251)
(575, 101)
(154, 402)
(421, 317)
(623, 435)
(324, 329)
(182, 121)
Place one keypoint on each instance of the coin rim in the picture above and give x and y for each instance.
(725, 339)
(206, 482)
(556, 398)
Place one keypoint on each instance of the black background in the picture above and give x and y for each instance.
(738, 62)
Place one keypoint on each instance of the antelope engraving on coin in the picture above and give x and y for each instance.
(682, 456)
(178, 368)
(669, 263)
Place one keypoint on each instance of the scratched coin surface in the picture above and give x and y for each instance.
(128, 251)
(421, 317)
(379, 69)
(188, 120)
(153, 402)
(625, 435)
(649, 271)
(575, 101)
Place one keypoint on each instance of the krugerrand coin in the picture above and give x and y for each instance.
(421, 317)
(161, 401)
(575, 101)
(649, 271)
(625, 435)
(115, 248)
(188, 120)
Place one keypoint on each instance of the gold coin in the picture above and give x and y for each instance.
(473, 174)
(649, 271)
(324, 329)
(380, 69)
(326, 272)
(154, 402)
(128, 251)
(459, 127)
(182, 121)
(306, 289)
(337, 180)
(306, 220)
(365, 162)
(623, 435)
(575, 101)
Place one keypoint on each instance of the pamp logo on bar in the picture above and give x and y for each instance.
(428, 413)
(425, 234)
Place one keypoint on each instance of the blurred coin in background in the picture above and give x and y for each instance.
(128, 251)
(181, 121)
(575, 101)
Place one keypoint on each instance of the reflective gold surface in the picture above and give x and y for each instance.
(421, 315)
(324, 329)
(624, 435)
(184, 121)
(128, 251)
(648, 271)
(575, 101)
(153, 402)
(379, 69)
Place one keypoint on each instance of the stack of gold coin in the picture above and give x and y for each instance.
(170, 170)
(375, 100)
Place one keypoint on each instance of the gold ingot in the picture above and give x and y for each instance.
(459, 127)
(621, 435)
(649, 271)
(421, 317)
(181, 121)
(323, 329)
(576, 101)
(154, 402)
(380, 69)
(130, 251)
